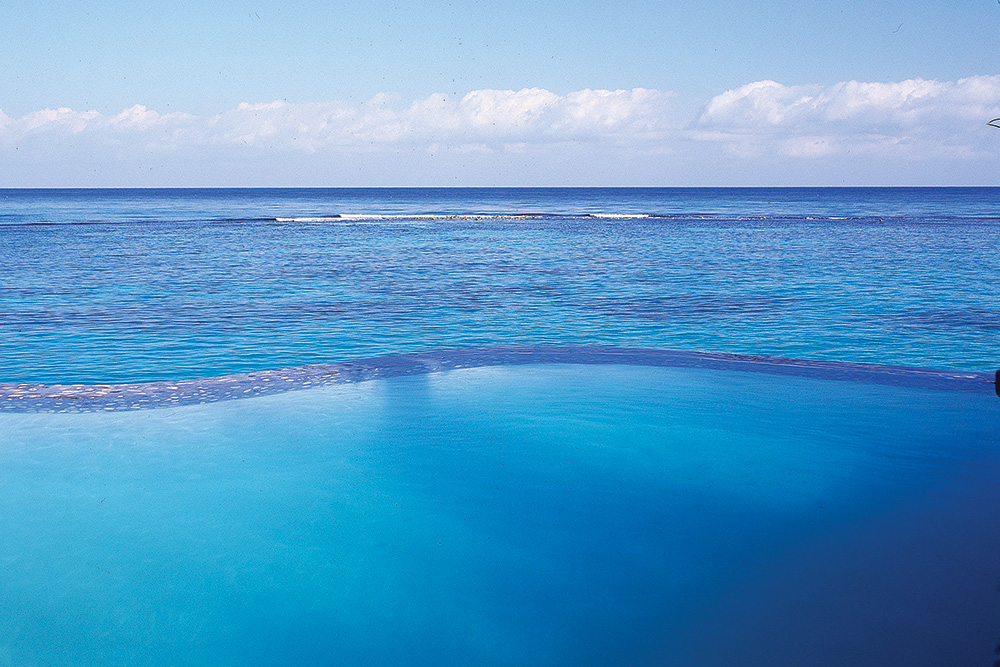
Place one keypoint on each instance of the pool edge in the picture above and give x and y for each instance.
(37, 397)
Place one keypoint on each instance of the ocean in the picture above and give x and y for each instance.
(132, 285)
(500, 427)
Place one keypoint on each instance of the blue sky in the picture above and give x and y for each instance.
(355, 79)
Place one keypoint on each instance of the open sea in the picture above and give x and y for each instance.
(609, 426)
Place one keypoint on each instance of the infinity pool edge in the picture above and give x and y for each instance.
(38, 397)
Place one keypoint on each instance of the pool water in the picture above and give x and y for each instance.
(541, 513)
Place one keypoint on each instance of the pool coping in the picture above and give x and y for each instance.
(37, 397)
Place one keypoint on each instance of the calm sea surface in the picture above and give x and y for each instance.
(128, 285)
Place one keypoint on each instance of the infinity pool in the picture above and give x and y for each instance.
(619, 511)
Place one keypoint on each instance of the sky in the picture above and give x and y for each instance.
(508, 92)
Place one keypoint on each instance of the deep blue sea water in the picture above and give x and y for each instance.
(125, 285)
(538, 504)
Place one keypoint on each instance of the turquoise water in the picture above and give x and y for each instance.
(120, 286)
(463, 503)
(539, 514)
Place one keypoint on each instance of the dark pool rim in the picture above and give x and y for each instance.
(36, 397)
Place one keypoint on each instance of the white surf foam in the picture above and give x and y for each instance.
(356, 217)
(618, 216)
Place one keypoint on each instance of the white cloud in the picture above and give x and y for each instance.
(62, 118)
(482, 116)
(506, 112)
(623, 136)
(141, 118)
(910, 116)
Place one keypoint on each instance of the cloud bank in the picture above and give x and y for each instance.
(532, 114)
(910, 117)
(760, 133)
